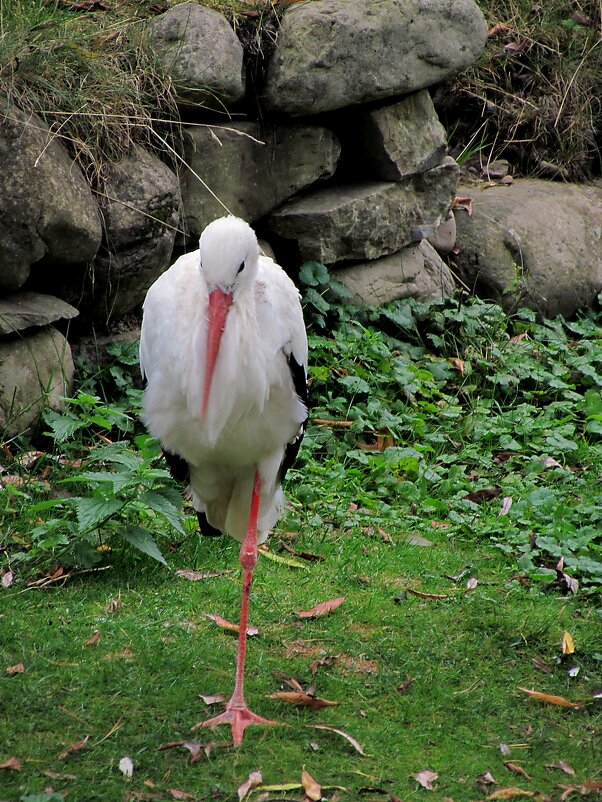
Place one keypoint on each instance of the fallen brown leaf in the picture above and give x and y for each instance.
(457, 363)
(542, 665)
(197, 576)
(93, 640)
(213, 699)
(312, 789)
(18, 668)
(405, 685)
(304, 555)
(551, 698)
(485, 494)
(55, 775)
(303, 699)
(7, 579)
(254, 779)
(568, 644)
(561, 766)
(510, 793)
(321, 609)
(12, 764)
(583, 789)
(462, 203)
(228, 626)
(485, 780)
(517, 769)
(177, 794)
(426, 778)
(74, 747)
(322, 661)
(354, 743)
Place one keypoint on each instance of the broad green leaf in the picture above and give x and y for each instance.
(163, 502)
(91, 512)
(142, 540)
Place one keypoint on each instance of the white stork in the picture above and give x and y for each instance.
(224, 351)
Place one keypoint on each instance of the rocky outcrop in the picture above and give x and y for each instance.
(367, 221)
(36, 367)
(533, 243)
(414, 272)
(336, 53)
(201, 54)
(46, 208)
(248, 169)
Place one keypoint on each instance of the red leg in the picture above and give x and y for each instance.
(237, 714)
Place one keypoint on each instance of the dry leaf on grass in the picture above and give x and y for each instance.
(7, 579)
(213, 699)
(254, 779)
(177, 794)
(354, 743)
(568, 644)
(321, 609)
(302, 699)
(126, 766)
(193, 747)
(583, 789)
(551, 698)
(229, 626)
(517, 769)
(510, 793)
(328, 660)
(55, 775)
(304, 555)
(561, 766)
(197, 576)
(401, 689)
(426, 778)
(312, 789)
(93, 640)
(74, 747)
(18, 668)
(12, 764)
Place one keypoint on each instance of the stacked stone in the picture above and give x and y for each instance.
(344, 105)
(340, 156)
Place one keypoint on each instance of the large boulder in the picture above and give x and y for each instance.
(414, 272)
(251, 169)
(140, 212)
(393, 141)
(46, 207)
(36, 370)
(201, 54)
(335, 53)
(533, 243)
(26, 310)
(367, 220)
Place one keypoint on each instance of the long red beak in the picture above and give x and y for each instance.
(217, 311)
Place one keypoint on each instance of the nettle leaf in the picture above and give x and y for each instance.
(91, 512)
(142, 540)
(167, 503)
(355, 383)
(63, 426)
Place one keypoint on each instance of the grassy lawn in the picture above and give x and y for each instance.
(448, 484)
(138, 687)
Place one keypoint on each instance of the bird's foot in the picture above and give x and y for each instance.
(239, 717)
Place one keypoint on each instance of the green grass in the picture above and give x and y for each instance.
(428, 454)
(467, 655)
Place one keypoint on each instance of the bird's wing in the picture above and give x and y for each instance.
(170, 301)
(281, 319)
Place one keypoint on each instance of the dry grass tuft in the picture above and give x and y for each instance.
(536, 94)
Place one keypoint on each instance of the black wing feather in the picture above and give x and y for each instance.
(300, 384)
(180, 470)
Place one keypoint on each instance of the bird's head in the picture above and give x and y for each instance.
(229, 256)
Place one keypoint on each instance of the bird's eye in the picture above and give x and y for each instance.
(241, 268)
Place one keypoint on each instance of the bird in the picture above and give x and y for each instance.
(223, 351)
